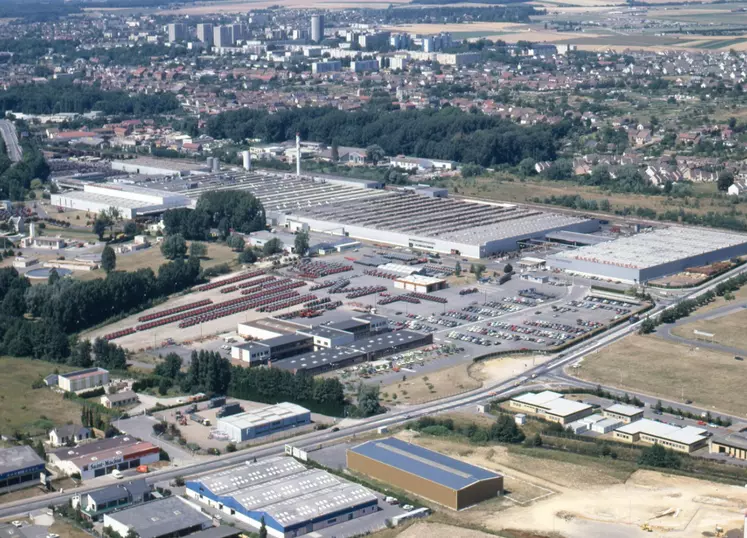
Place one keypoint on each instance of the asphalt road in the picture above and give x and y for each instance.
(665, 330)
(8, 132)
(315, 440)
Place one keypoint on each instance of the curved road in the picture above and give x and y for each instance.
(665, 330)
(314, 440)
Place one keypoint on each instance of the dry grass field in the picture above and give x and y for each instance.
(728, 329)
(526, 191)
(455, 379)
(658, 367)
(26, 409)
(153, 259)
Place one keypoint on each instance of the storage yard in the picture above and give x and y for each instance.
(318, 298)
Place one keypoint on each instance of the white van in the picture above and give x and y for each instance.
(116, 473)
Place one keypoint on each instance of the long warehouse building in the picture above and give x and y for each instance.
(129, 200)
(651, 255)
(291, 499)
(428, 474)
(360, 209)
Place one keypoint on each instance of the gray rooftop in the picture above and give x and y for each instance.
(135, 488)
(650, 249)
(286, 490)
(17, 458)
(427, 464)
(157, 518)
(317, 359)
(736, 440)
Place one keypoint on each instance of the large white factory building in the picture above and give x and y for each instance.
(129, 200)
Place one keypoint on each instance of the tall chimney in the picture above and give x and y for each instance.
(298, 154)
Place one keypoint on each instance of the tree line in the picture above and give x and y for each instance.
(63, 96)
(447, 134)
(213, 374)
(37, 321)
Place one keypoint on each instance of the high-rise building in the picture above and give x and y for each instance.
(237, 32)
(222, 36)
(177, 32)
(317, 28)
(326, 67)
(205, 32)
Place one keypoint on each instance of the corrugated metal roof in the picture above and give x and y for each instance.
(424, 463)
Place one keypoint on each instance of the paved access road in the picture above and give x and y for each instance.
(665, 330)
(10, 137)
(318, 439)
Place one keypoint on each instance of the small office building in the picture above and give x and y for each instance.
(419, 283)
(687, 439)
(623, 413)
(96, 503)
(265, 421)
(162, 518)
(119, 399)
(328, 337)
(428, 474)
(20, 467)
(102, 457)
(551, 406)
(69, 434)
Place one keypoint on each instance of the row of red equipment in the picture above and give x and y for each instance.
(175, 310)
(227, 281)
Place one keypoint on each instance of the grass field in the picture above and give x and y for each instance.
(152, 258)
(31, 411)
(526, 191)
(657, 367)
(728, 329)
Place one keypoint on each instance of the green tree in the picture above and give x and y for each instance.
(100, 225)
(648, 326)
(505, 430)
(198, 249)
(368, 400)
(236, 242)
(508, 268)
(273, 246)
(335, 152)
(262, 528)
(458, 269)
(301, 243)
(53, 277)
(108, 259)
(374, 154)
(130, 228)
(658, 456)
(725, 180)
(170, 367)
(174, 247)
(478, 269)
(247, 256)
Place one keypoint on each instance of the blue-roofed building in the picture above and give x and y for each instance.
(291, 499)
(428, 474)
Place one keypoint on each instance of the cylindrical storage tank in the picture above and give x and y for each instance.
(216, 164)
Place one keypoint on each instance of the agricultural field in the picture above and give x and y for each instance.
(655, 366)
(31, 411)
